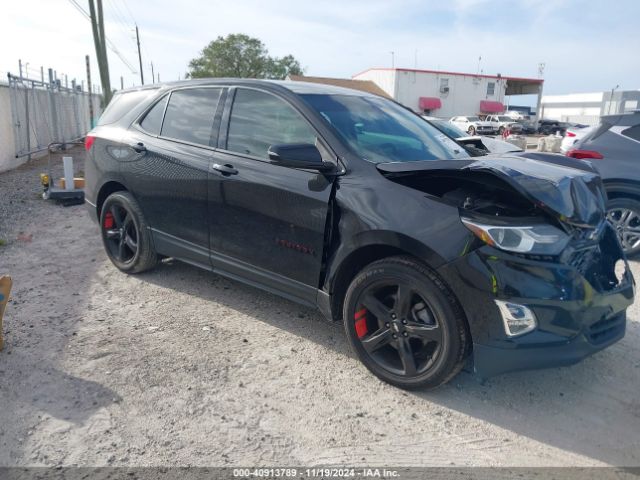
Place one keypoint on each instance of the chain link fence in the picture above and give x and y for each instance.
(46, 112)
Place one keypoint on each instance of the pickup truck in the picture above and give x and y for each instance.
(499, 123)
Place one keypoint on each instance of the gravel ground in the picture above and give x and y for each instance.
(182, 367)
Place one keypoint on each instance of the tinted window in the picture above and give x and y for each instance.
(448, 128)
(633, 132)
(152, 121)
(122, 103)
(379, 130)
(259, 120)
(190, 114)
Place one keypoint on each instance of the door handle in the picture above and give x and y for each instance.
(139, 147)
(224, 169)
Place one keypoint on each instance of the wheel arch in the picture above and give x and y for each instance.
(620, 188)
(368, 248)
(105, 190)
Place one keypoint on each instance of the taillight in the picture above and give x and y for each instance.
(570, 134)
(88, 142)
(582, 154)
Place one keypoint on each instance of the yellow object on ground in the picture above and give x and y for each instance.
(5, 290)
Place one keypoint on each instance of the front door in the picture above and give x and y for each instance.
(267, 222)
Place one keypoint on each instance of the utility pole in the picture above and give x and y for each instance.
(100, 41)
(139, 55)
(153, 75)
(393, 59)
(90, 92)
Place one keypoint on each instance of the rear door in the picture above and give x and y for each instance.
(267, 221)
(169, 175)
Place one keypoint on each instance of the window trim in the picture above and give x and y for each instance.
(215, 125)
(223, 135)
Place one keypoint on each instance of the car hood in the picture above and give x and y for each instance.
(571, 191)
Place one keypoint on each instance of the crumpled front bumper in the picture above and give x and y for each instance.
(574, 320)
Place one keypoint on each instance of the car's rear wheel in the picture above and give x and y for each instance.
(471, 131)
(125, 234)
(404, 324)
(624, 215)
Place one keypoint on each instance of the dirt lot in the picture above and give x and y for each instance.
(183, 367)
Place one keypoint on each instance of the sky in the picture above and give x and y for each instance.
(586, 46)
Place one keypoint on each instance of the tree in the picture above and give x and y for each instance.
(239, 55)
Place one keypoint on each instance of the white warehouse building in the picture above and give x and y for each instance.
(588, 107)
(447, 94)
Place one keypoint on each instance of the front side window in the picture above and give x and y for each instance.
(190, 115)
(379, 130)
(259, 120)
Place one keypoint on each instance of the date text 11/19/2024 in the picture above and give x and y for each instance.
(317, 472)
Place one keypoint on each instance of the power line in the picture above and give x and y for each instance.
(110, 44)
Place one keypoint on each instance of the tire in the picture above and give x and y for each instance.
(500, 130)
(125, 234)
(624, 215)
(471, 131)
(431, 338)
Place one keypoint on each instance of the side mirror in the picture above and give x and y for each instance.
(298, 155)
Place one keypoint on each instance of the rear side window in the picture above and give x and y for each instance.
(123, 103)
(633, 132)
(152, 121)
(190, 115)
(259, 120)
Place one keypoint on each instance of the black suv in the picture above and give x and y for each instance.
(349, 202)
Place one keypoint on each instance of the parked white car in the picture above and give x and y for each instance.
(472, 125)
(571, 136)
(499, 123)
(493, 145)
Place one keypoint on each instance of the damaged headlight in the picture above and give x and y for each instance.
(540, 239)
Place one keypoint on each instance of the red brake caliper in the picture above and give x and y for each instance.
(361, 322)
(108, 220)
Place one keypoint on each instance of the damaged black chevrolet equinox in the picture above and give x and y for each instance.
(430, 254)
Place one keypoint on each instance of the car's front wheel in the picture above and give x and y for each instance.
(404, 324)
(125, 234)
(471, 131)
(624, 215)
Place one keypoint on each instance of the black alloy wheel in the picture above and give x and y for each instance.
(120, 233)
(125, 234)
(404, 324)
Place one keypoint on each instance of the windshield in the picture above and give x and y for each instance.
(448, 128)
(380, 131)
(473, 119)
